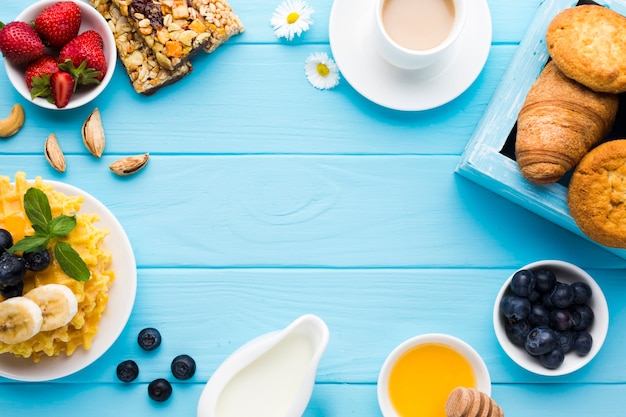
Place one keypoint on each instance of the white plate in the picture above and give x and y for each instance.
(350, 32)
(115, 317)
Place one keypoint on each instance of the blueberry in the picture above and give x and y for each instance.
(539, 315)
(562, 295)
(552, 359)
(522, 283)
(544, 280)
(183, 367)
(127, 371)
(149, 338)
(565, 340)
(6, 240)
(517, 331)
(160, 390)
(12, 269)
(11, 291)
(582, 317)
(582, 292)
(37, 261)
(540, 340)
(582, 343)
(514, 308)
(560, 320)
(534, 296)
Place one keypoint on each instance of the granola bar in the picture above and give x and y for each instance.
(145, 73)
(221, 21)
(173, 29)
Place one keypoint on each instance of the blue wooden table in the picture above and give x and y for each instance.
(265, 199)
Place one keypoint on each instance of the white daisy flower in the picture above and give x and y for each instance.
(291, 17)
(321, 71)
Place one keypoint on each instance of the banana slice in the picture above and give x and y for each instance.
(57, 302)
(20, 319)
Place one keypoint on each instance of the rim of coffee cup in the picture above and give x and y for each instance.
(459, 22)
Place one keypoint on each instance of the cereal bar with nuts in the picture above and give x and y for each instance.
(221, 21)
(145, 73)
(173, 29)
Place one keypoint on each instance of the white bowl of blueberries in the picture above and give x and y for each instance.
(551, 317)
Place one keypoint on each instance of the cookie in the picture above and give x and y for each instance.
(586, 42)
(596, 195)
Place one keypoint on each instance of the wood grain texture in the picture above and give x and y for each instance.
(265, 199)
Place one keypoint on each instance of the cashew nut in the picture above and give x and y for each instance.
(13, 123)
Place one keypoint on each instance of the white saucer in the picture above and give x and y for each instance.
(351, 42)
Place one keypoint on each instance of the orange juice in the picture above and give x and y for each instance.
(423, 377)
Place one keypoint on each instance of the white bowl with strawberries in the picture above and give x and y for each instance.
(58, 54)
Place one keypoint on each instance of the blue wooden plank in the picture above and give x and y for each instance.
(329, 211)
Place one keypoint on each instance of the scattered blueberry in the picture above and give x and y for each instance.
(582, 343)
(515, 308)
(582, 292)
(160, 390)
(127, 371)
(37, 261)
(552, 359)
(183, 367)
(149, 338)
(523, 283)
(562, 295)
(6, 240)
(545, 280)
(12, 269)
(11, 291)
(540, 340)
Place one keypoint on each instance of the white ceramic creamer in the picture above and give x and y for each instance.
(273, 375)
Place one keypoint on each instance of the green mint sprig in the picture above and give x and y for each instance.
(47, 229)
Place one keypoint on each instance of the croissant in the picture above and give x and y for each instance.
(558, 124)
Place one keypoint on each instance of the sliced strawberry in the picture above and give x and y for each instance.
(62, 87)
(38, 74)
(59, 23)
(82, 49)
(19, 43)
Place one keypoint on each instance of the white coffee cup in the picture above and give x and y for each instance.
(402, 41)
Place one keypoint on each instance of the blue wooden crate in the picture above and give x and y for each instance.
(487, 159)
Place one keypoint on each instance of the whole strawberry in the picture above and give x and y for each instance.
(83, 55)
(37, 75)
(19, 42)
(92, 37)
(59, 23)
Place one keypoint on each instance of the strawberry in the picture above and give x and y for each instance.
(83, 59)
(61, 88)
(19, 42)
(38, 74)
(93, 38)
(59, 23)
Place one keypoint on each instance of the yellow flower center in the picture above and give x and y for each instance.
(292, 18)
(322, 69)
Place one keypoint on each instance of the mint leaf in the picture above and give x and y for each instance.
(61, 225)
(30, 244)
(70, 262)
(37, 207)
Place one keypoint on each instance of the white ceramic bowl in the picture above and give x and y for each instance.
(91, 19)
(567, 273)
(481, 373)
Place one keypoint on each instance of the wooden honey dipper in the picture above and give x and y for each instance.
(470, 402)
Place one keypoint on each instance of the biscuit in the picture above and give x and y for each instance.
(586, 42)
(596, 195)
